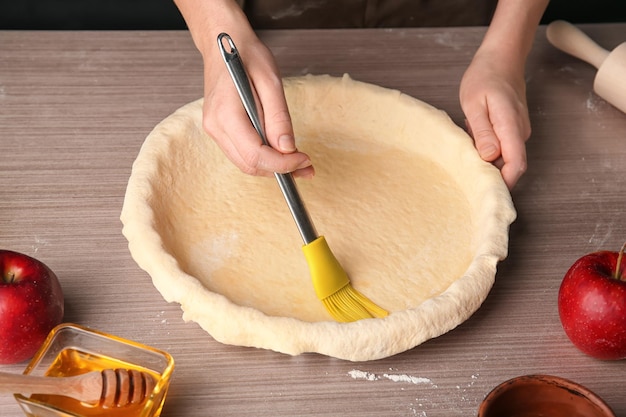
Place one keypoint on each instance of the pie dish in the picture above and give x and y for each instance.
(410, 210)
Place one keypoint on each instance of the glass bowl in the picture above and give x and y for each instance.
(71, 349)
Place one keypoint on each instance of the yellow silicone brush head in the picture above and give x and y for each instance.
(333, 287)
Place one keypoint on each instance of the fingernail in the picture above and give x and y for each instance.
(488, 151)
(305, 164)
(286, 144)
(307, 173)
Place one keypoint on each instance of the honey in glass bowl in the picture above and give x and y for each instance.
(72, 350)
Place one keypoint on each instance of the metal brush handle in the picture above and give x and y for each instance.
(285, 181)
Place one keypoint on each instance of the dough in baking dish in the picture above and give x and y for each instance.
(415, 217)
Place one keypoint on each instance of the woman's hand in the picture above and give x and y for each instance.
(224, 117)
(493, 88)
(493, 98)
(226, 121)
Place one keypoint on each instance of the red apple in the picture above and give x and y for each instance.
(31, 304)
(592, 304)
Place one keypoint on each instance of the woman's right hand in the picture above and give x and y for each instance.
(224, 117)
(226, 121)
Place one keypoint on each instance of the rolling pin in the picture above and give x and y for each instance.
(610, 80)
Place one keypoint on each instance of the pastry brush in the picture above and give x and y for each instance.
(330, 281)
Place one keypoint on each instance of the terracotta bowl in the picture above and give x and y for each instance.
(542, 395)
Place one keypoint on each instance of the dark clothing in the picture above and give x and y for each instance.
(305, 14)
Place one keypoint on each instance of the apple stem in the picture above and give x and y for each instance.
(618, 271)
(10, 277)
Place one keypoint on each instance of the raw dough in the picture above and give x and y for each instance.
(415, 217)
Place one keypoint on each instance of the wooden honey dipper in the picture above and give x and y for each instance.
(108, 388)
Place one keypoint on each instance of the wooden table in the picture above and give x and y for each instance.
(76, 106)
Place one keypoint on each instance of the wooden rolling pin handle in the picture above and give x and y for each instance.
(570, 39)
